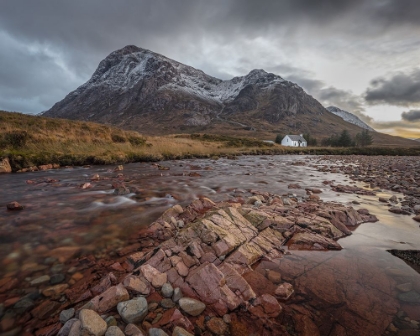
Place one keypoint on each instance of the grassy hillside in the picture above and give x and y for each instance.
(34, 140)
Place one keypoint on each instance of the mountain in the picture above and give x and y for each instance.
(349, 117)
(137, 89)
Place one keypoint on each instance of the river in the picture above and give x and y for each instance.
(359, 280)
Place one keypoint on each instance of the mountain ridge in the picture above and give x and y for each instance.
(349, 117)
(141, 90)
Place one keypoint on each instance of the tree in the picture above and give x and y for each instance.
(310, 141)
(344, 139)
(364, 138)
(279, 138)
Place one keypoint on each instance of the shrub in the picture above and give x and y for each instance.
(117, 138)
(16, 139)
(136, 141)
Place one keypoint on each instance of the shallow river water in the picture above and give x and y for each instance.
(355, 285)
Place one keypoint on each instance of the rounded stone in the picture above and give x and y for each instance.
(191, 306)
(114, 331)
(157, 332)
(57, 278)
(91, 324)
(177, 295)
(167, 303)
(167, 290)
(40, 280)
(66, 315)
(133, 311)
(178, 331)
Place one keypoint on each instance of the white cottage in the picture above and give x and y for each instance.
(294, 141)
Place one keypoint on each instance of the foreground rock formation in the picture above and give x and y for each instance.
(192, 271)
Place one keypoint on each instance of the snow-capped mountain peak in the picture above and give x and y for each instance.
(349, 117)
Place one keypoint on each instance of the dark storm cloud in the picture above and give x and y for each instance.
(59, 43)
(412, 115)
(400, 88)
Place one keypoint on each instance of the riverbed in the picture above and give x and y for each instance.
(80, 208)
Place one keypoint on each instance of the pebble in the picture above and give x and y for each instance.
(23, 305)
(91, 323)
(42, 279)
(178, 331)
(405, 287)
(57, 278)
(133, 311)
(14, 206)
(227, 318)
(167, 290)
(191, 306)
(132, 330)
(157, 332)
(411, 296)
(65, 330)
(57, 268)
(167, 303)
(114, 331)
(66, 315)
(111, 321)
(177, 295)
(153, 306)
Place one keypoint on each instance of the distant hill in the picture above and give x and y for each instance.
(349, 117)
(137, 89)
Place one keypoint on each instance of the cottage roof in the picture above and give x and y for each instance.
(296, 138)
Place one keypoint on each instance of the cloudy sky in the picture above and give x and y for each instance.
(360, 55)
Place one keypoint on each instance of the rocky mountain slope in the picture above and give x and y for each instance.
(138, 89)
(349, 117)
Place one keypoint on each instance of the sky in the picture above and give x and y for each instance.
(359, 55)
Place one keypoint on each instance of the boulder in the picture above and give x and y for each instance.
(91, 324)
(133, 311)
(191, 306)
(12, 206)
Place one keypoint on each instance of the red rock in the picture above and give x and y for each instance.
(64, 254)
(156, 278)
(14, 206)
(266, 306)
(284, 291)
(417, 218)
(45, 309)
(134, 258)
(173, 317)
(110, 298)
(305, 326)
(209, 283)
(117, 267)
(50, 330)
(55, 292)
(217, 326)
(311, 241)
(137, 284)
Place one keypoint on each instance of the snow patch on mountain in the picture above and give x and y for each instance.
(349, 117)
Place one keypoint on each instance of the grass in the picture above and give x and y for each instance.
(33, 140)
